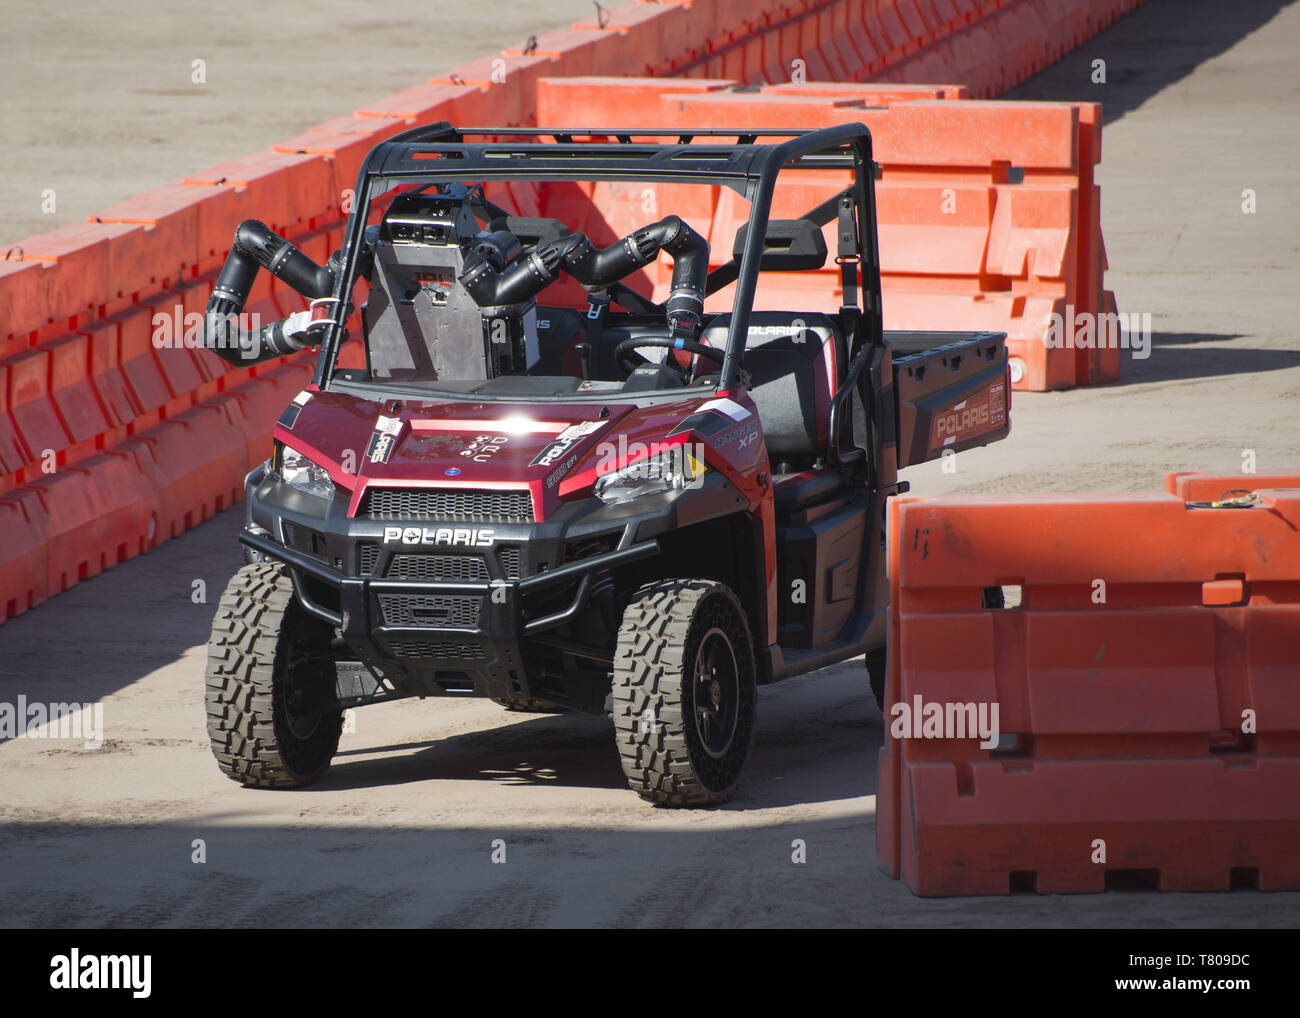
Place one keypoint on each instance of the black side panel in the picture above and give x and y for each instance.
(820, 556)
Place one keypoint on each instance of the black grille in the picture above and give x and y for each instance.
(434, 610)
(448, 504)
(442, 649)
(305, 540)
(510, 562)
(453, 568)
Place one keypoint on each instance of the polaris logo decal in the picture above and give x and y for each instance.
(384, 439)
(450, 537)
(961, 418)
(565, 441)
(983, 412)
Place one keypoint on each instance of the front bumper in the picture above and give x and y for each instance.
(441, 636)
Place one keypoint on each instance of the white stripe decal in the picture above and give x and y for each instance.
(728, 407)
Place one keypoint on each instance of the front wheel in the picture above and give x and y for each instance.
(269, 683)
(684, 692)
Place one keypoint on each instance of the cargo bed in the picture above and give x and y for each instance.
(951, 390)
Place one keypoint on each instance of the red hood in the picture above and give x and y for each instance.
(463, 444)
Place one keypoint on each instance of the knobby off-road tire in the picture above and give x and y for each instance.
(684, 648)
(256, 672)
(529, 706)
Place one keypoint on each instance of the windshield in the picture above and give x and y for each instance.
(518, 289)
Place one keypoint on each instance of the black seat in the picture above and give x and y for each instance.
(794, 361)
(793, 492)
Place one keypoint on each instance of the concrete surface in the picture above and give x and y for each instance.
(401, 830)
(99, 102)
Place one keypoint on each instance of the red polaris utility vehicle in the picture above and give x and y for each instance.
(566, 478)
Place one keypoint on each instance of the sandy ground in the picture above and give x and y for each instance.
(1202, 104)
(99, 102)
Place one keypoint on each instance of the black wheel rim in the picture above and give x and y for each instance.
(301, 720)
(716, 686)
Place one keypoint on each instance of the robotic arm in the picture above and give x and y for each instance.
(257, 246)
(493, 283)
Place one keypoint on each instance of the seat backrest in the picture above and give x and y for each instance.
(794, 362)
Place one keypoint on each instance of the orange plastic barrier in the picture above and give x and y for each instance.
(634, 102)
(86, 265)
(75, 400)
(989, 45)
(989, 214)
(145, 383)
(106, 377)
(24, 300)
(284, 190)
(172, 219)
(13, 453)
(32, 409)
(1148, 711)
(94, 515)
(1211, 487)
(203, 464)
(23, 574)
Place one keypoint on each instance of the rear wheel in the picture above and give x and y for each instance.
(268, 673)
(684, 692)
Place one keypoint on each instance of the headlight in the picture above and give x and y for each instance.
(305, 475)
(672, 469)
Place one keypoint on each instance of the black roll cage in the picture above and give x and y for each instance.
(698, 157)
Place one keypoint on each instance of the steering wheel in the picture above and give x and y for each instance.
(628, 360)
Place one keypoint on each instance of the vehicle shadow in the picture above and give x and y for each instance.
(1146, 51)
(816, 741)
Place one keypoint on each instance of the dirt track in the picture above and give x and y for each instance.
(401, 830)
(99, 101)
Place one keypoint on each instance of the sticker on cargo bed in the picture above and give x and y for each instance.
(998, 404)
(384, 440)
(983, 412)
(565, 441)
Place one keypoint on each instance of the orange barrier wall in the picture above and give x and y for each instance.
(989, 214)
(87, 397)
(1150, 677)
